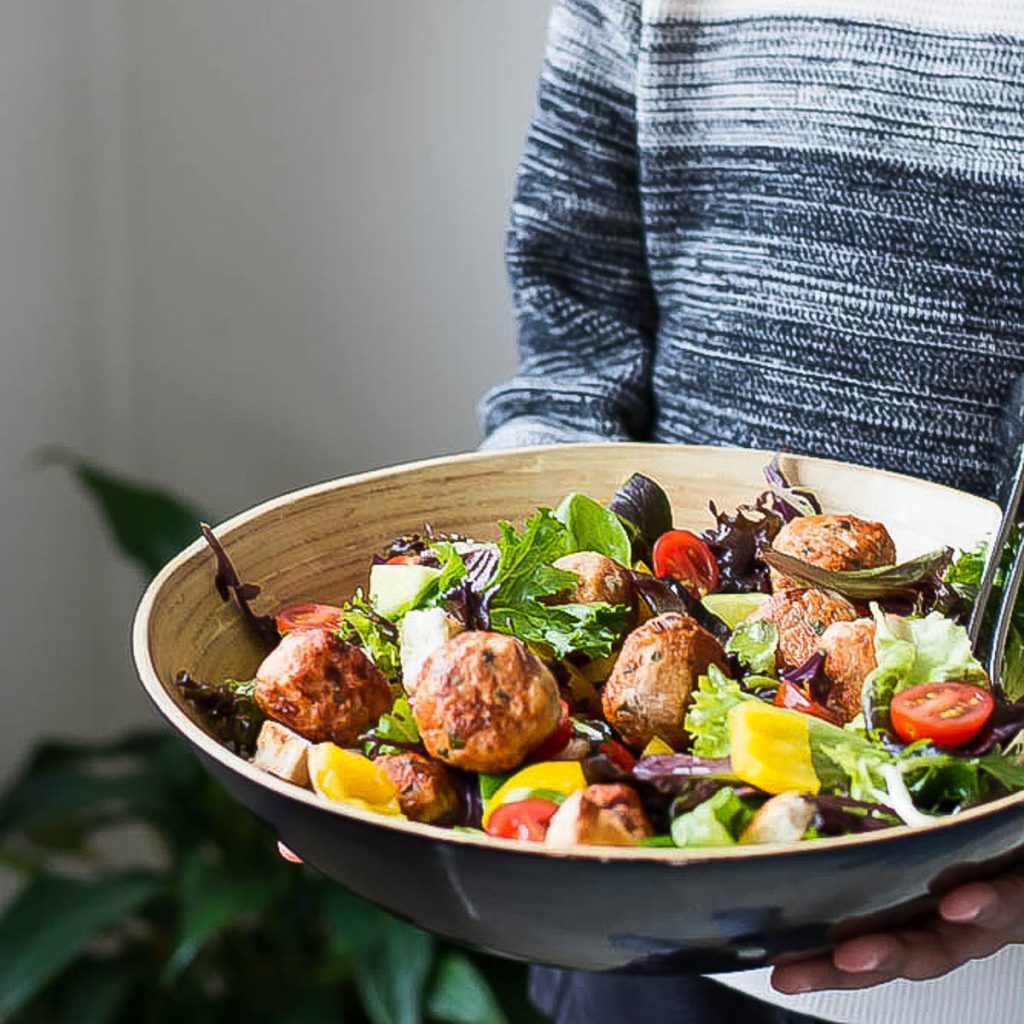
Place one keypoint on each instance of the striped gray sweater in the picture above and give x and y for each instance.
(790, 224)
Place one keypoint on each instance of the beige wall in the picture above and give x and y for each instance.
(246, 245)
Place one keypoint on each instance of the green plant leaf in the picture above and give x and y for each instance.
(461, 994)
(52, 920)
(67, 790)
(149, 524)
(95, 993)
(351, 924)
(214, 896)
(392, 973)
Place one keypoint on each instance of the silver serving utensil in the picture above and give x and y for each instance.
(1011, 587)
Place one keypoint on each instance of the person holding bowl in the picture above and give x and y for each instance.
(790, 225)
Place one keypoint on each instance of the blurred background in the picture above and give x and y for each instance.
(246, 245)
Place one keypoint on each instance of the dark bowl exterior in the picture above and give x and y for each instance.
(589, 914)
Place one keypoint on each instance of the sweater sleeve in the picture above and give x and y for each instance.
(583, 301)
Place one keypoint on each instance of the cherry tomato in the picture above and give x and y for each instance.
(558, 740)
(308, 616)
(683, 555)
(617, 754)
(793, 695)
(403, 560)
(522, 819)
(948, 713)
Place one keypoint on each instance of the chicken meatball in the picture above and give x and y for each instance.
(649, 689)
(801, 617)
(849, 658)
(600, 579)
(426, 789)
(321, 687)
(833, 542)
(483, 701)
(600, 815)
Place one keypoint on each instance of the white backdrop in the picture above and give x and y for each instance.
(245, 245)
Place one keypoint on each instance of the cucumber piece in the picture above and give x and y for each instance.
(732, 609)
(394, 587)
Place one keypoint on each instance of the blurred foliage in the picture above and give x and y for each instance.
(215, 926)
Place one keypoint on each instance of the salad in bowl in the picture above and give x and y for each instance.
(595, 676)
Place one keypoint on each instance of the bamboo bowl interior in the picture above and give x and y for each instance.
(316, 544)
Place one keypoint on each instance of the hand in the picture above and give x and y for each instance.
(974, 921)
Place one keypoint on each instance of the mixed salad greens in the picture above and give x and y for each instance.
(600, 677)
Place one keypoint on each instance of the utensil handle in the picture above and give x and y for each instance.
(1004, 618)
(995, 551)
(1013, 425)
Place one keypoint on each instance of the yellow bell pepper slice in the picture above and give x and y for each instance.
(350, 778)
(563, 777)
(657, 746)
(769, 748)
(599, 670)
(581, 688)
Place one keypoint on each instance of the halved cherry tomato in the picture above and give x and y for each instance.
(557, 741)
(308, 616)
(403, 560)
(793, 695)
(683, 555)
(617, 754)
(522, 819)
(948, 713)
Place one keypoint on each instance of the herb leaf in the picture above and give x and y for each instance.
(525, 573)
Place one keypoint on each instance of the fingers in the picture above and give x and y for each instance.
(287, 854)
(997, 905)
(871, 960)
(975, 921)
(819, 973)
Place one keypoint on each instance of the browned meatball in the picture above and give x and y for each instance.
(483, 701)
(600, 815)
(649, 689)
(833, 542)
(322, 687)
(849, 658)
(801, 617)
(426, 789)
(600, 579)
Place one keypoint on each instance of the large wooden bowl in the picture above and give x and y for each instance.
(594, 908)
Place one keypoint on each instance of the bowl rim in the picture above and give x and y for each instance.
(213, 749)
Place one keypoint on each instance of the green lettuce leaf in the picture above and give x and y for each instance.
(755, 644)
(912, 651)
(524, 574)
(715, 822)
(377, 636)
(707, 718)
(964, 575)
(524, 569)
(936, 780)
(591, 629)
(591, 527)
(453, 568)
(846, 761)
(396, 724)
